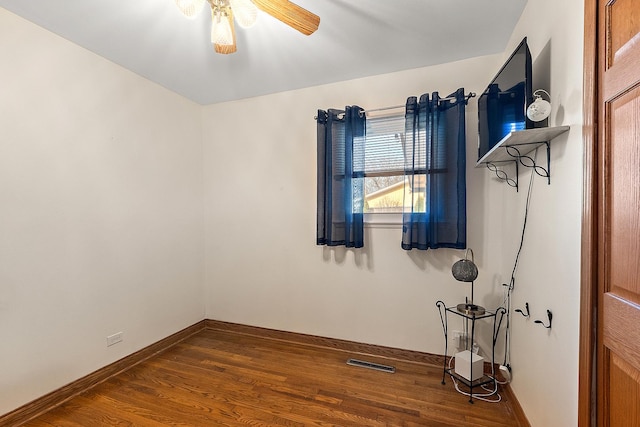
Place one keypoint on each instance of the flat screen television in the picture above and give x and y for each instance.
(502, 107)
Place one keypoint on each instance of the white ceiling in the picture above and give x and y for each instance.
(356, 38)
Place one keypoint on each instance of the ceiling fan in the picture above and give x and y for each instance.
(223, 35)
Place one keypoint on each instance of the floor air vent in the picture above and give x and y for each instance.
(371, 365)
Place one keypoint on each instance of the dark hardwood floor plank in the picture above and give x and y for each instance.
(54, 422)
(235, 378)
(161, 409)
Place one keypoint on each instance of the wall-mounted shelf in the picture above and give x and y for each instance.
(516, 147)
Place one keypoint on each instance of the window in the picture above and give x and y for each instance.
(411, 166)
(383, 168)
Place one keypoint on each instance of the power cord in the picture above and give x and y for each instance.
(484, 396)
(506, 301)
(511, 285)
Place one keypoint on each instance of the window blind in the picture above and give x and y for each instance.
(383, 146)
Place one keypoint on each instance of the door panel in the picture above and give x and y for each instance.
(620, 334)
(624, 407)
(624, 164)
(618, 245)
(623, 22)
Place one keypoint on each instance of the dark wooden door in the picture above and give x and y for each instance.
(618, 241)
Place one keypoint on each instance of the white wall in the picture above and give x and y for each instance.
(100, 212)
(545, 363)
(262, 264)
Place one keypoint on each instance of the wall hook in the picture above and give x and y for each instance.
(550, 316)
(526, 312)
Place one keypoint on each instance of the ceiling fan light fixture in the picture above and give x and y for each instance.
(221, 33)
(190, 8)
(245, 12)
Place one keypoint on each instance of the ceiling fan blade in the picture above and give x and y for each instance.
(228, 48)
(291, 14)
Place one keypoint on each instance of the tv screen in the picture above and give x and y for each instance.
(502, 107)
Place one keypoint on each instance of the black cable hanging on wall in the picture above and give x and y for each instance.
(512, 280)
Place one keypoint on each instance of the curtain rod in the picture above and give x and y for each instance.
(450, 98)
(466, 97)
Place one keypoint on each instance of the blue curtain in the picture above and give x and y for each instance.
(434, 213)
(340, 188)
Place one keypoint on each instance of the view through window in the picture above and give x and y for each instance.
(384, 164)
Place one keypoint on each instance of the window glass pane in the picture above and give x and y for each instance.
(383, 166)
(415, 192)
(383, 194)
(383, 144)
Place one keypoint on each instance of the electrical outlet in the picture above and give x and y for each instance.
(455, 337)
(459, 339)
(114, 339)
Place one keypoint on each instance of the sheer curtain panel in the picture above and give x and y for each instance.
(340, 137)
(434, 212)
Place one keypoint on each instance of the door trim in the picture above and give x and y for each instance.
(587, 373)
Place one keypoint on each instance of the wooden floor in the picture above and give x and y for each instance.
(221, 378)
